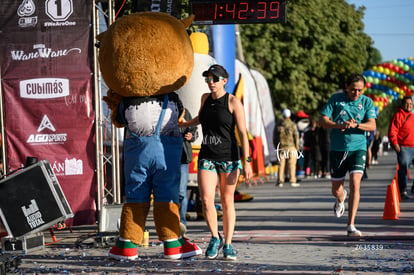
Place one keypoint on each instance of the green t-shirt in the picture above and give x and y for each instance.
(339, 109)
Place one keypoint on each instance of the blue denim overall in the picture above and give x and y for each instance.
(152, 165)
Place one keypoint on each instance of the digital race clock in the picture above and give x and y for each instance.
(238, 12)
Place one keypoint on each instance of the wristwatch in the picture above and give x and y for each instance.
(249, 159)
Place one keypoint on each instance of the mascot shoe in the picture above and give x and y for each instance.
(124, 250)
(180, 249)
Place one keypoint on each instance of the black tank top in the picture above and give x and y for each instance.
(218, 125)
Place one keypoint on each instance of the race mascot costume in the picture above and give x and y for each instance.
(144, 58)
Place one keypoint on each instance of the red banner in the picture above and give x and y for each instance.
(47, 85)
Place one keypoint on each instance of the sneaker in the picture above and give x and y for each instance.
(353, 232)
(294, 184)
(279, 184)
(242, 197)
(214, 246)
(124, 250)
(404, 196)
(180, 249)
(339, 207)
(228, 252)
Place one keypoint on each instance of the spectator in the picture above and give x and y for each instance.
(324, 146)
(311, 150)
(401, 135)
(370, 142)
(376, 147)
(385, 144)
(286, 141)
(302, 122)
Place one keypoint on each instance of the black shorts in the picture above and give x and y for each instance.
(348, 161)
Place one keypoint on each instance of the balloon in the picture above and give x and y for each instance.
(389, 81)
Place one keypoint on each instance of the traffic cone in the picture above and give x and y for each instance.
(396, 195)
(390, 212)
(396, 189)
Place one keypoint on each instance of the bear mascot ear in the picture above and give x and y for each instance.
(144, 54)
(112, 100)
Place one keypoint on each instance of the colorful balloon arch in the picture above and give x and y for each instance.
(390, 81)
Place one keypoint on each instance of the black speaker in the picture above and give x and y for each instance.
(31, 200)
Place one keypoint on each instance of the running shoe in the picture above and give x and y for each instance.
(228, 252)
(339, 207)
(124, 250)
(180, 249)
(214, 246)
(353, 232)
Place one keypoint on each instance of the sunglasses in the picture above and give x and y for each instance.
(214, 79)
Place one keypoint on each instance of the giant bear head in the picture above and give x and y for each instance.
(145, 54)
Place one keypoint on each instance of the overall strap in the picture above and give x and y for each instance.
(161, 118)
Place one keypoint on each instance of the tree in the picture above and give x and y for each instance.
(309, 57)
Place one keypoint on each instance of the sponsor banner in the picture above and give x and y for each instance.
(46, 59)
(44, 15)
(49, 126)
(44, 88)
(38, 36)
(44, 54)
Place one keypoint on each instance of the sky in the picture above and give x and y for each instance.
(390, 24)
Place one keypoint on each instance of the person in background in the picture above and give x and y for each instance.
(219, 159)
(286, 142)
(385, 145)
(349, 115)
(370, 142)
(324, 146)
(401, 136)
(190, 134)
(376, 148)
(311, 150)
(301, 120)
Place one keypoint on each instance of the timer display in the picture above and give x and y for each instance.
(238, 12)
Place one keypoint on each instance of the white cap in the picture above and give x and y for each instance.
(286, 113)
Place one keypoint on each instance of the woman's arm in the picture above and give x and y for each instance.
(191, 123)
(236, 107)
